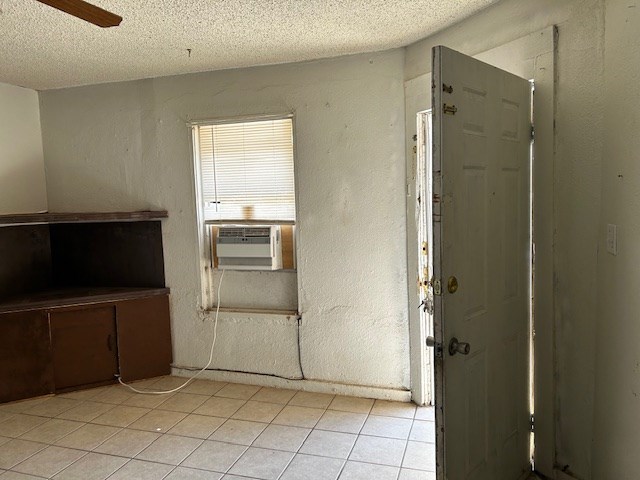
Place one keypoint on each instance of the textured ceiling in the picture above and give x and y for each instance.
(43, 48)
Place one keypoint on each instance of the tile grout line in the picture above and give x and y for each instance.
(308, 434)
(296, 452)
(354, 443)
(406, 445)
(404, 452)
(84, 453)
(271, 423)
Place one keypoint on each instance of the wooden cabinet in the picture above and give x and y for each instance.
(144, 341)
(25, 356)
(73, 345)
(82, 299)
(83, 344)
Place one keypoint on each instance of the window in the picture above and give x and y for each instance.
(246, 170)
(245, 177)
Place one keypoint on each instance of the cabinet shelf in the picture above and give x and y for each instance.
(67, 297)
(48, 218)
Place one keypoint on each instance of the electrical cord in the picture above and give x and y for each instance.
(302, 377)
(213, 343)
(299, 349)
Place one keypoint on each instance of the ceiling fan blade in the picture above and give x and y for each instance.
(86, 11)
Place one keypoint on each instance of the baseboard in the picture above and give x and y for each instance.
(304, 385)
(560, 475)
(525, 476)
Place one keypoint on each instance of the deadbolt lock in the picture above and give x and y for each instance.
(452, 284)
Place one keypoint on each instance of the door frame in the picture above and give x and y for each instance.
(423, 207)
(531, 56)
(537, 55)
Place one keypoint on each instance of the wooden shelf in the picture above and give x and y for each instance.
(56, 298)
(80, 217)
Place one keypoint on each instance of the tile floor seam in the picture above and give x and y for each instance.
(235, 461)
(404, 452)
(150, 461)
(136, 456)
(351, 450)
(106, 439)
(383, 464)
(99, 453)
(56, 473)
(196, 468)
(294, 453)
(86, 452)
(27, 458)
(32, 428)
(255, 439)
(173, 470)
(130, 460)
(370, 435)
(125, 464)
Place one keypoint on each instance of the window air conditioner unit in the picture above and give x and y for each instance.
(249, 248)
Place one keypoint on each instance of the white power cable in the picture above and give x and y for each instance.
(213, 343)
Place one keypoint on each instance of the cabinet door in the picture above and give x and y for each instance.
(84, 346)
(144, 338)
(25, 356)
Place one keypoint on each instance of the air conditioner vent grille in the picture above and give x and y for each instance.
(235, 232)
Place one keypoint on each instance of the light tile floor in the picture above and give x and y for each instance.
(212, 430)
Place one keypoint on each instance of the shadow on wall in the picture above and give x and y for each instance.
(19, 190)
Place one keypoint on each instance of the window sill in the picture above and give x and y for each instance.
(282, 270)
(258, 311)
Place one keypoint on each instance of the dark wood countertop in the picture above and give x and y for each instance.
(75, 296)
(80, 217)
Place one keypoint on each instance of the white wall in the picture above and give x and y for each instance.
(22, 180)
(126, 146)
(617, 408)
(576, 191)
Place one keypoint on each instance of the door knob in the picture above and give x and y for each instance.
(458, 347)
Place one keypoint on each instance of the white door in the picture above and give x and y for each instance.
(481, 214)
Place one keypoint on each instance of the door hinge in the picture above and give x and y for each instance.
(449, 109)
(533, 253)
(533, 132)
(532, 423)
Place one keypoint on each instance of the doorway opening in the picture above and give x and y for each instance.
(425, 246)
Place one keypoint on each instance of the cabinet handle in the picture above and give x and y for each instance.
(110, 343)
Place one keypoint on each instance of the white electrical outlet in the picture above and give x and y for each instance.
(612, 239)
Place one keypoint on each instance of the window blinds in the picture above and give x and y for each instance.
(247, 170)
